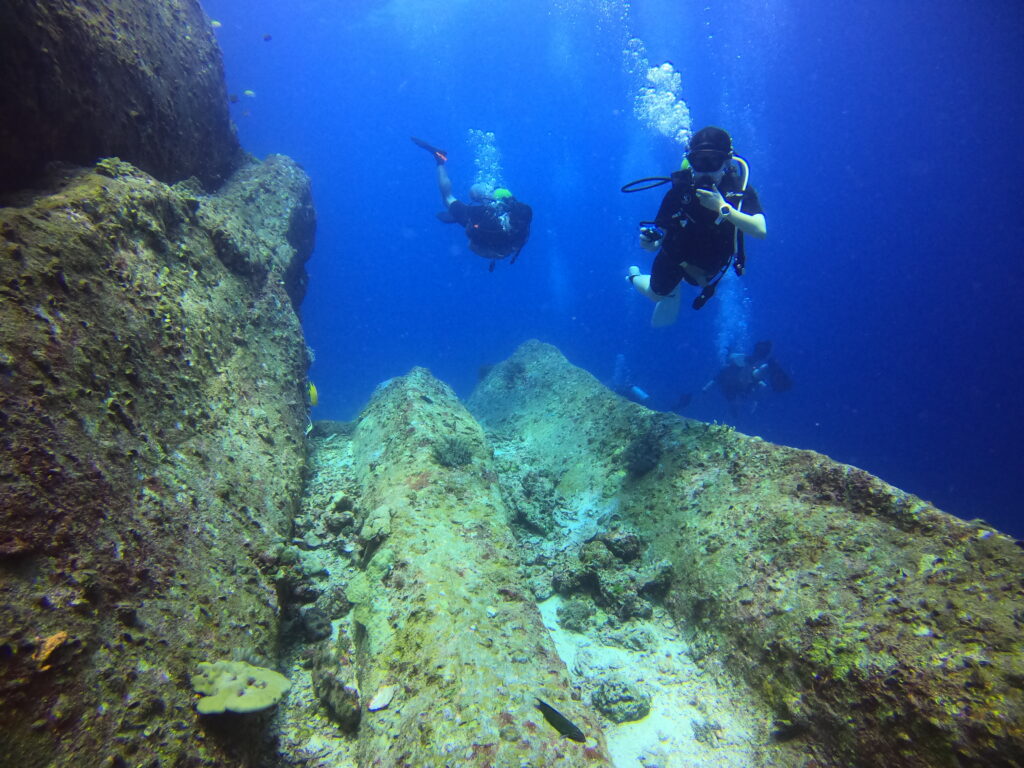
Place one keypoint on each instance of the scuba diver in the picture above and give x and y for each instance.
(698, 232)
(747, 377)
(496, 224)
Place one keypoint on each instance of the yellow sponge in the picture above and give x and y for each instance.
(234, 686)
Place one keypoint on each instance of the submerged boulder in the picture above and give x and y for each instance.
(621, 701)
(880, 630)
(140, 81)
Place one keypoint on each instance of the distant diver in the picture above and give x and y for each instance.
(698, 232)
(747, 377)
(497, 224)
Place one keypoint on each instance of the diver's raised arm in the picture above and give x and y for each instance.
(754, 226)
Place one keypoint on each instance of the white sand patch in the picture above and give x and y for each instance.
(697, 719)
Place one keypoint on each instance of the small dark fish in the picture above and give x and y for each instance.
(560, 722)
(233, 98)
(267, 38)
(684, 401)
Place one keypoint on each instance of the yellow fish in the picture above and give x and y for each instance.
(314, 398)
(250, 94)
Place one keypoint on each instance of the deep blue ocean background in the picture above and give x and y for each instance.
(884, 138)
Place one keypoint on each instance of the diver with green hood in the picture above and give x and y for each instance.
(698, 232)
(496, 224)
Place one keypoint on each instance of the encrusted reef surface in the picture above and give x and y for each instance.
(878, 630)
(442, 653)
(680, 594)
(152, 412)
(140, 80)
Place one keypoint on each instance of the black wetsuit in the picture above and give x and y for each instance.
(496, 229)
(740, 382)
(691, 235)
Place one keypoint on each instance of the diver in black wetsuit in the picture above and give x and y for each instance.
(697, 232)
(747, 377)
(497, 224)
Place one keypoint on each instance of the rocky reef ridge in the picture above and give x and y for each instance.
(877, 629)
(438, 654)
(682, 594)
(152, 413)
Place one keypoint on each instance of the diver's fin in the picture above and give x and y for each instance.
(446, 217)
(666, 311)
(439, 154)
(705, 295)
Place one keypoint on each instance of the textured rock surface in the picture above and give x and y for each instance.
(152, 413)
(439, 650)
(439, 606)
(880, 630)
(452, 666)
(139, 80)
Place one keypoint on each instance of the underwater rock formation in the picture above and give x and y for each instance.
(450, 648)
(141, 81)
(152, 412)
(881, 631)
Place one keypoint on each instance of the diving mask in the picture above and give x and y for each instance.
(708, 160)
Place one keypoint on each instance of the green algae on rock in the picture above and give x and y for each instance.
(676, 584)
(880, 630)
(620, 701)
(153, 415)
(440, 657)
(439, 606)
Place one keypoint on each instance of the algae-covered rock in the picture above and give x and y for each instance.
(880, 630)
(607, 569)
(335, 684)
(141, 81)
(235, 686)
(574, 614)
(621, 701)
(152, 409)
(451, 652)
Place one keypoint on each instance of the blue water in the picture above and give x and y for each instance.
(884, 138)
